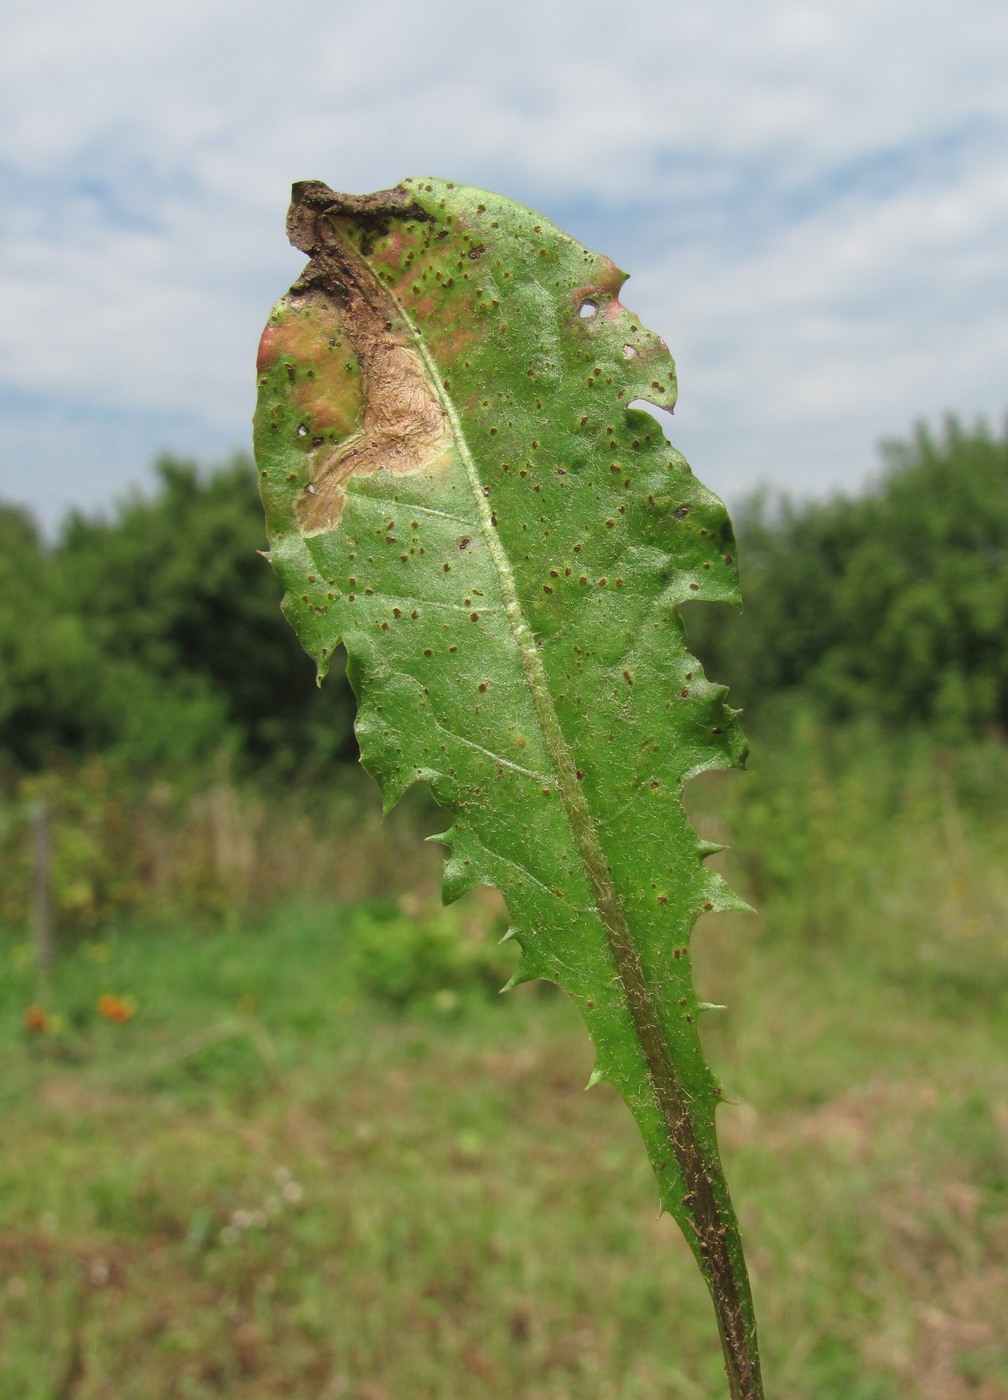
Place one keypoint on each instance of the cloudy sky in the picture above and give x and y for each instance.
(812, 200)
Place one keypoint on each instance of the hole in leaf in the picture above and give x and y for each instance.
(302, 430)
(629, 351)
(587, 310)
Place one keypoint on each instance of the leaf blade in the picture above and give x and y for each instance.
(456, 490)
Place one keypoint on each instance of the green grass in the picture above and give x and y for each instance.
(324, 1159)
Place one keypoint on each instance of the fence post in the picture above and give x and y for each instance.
(42, 906)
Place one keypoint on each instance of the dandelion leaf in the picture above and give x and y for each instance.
(459, 491)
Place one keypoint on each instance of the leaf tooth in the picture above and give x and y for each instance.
(378, 758)
(597, 1076)
(731, 903)
(703, 1006)
(517, 978)
(718, 896)
(709, 848)
(394, 784)
(459, 877)
(391, 793)
(530, 968)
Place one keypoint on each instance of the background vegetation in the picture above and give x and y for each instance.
(269, 1130)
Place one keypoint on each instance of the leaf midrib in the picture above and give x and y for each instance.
(639, 1003)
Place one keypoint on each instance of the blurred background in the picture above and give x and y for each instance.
(268, 1127)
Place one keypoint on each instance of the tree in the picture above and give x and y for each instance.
(53, 695)
(156, 634)
(894, 604)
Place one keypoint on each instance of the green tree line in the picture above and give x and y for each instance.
(892, 604)
(156, 635)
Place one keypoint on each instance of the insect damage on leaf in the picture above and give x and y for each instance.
(458, 491)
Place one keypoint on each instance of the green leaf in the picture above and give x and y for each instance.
(459, 491)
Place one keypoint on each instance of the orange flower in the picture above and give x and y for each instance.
(35, 1019)
(115, 1009)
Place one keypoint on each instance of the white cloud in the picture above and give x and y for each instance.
(840, 330)
(813, 200)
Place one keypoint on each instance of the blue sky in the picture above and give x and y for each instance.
(812, 200)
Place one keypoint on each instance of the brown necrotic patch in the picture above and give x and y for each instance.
(402, 425)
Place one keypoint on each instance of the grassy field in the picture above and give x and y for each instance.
(318, 1156)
